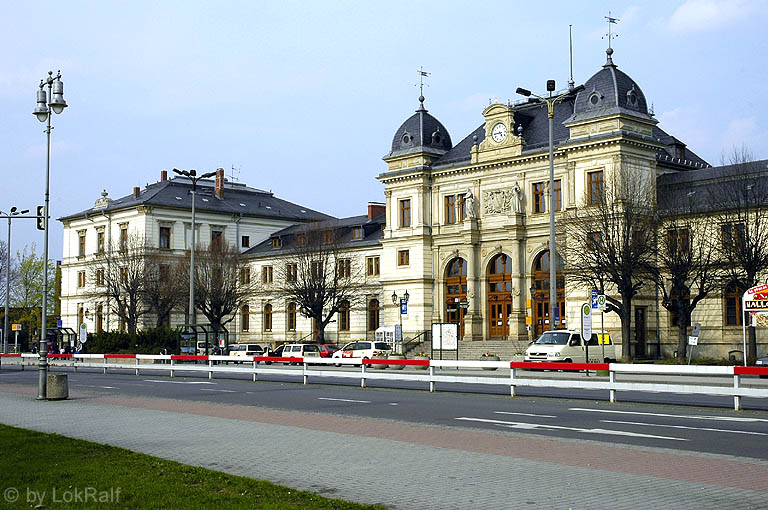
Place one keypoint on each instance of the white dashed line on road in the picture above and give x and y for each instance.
(684, 427)
(222, 391)
(539, 426)
(663, 415)
(526, 414)
(177, 382)
(345, 400)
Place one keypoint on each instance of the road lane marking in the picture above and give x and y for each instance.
(662, 415)
(394, 404)
(177, 382)
(684, 427)
(539, 426)
(222, 391)
(345, 400)
(94, 386)
(526, 414)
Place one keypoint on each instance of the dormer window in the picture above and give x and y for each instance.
(407, 138)
(276, 242)
(594, 98)
(357, 233)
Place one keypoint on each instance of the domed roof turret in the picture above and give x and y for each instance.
(421, 132)
(610, 91)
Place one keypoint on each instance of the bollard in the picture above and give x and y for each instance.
(736, 398)
(431, 377)
(612, 391)
(511, 382)
(57, 387)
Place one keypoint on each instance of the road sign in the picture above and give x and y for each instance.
(59, 323)
(557, 315)
(696, 329)
(83, 333)
(16, 327)
(586, 322)
(601, 302)
(403, 307)
(693, 340)
(594, 299)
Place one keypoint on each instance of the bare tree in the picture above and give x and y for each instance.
(319, 275)
(609, 242)
(120, 276)
(27, 288)
(688, 265)
(164, 286)
(219, 293)
(741, 201)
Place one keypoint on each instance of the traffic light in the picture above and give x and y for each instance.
(40, 217)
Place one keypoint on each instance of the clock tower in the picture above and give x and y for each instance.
(501, 140)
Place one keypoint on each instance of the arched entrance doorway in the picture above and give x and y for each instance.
(541, 295)
(499, 296)
(455, 291)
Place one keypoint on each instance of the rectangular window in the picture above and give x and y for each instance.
(124, 238)
(357, 233)
(81, 244)
(450, 209)
(733, 236)
(124, 275)
(405, 213)
(317, 270)
(558, 196)
(81, 279)
(344, 316)
(539, 198)
(276, 243)
(301, 239)
(292, 316)
(216, 237)
(733, 311)
(266, 274)
(328, 236)
(245, 275)
(100, 277)
(245, 241)
(595, 241)
(344, 268)
(403, 258)
(165, 238)
(595, 188)
(291, 272)
(372, 266)
(100, 243)
(678, 242)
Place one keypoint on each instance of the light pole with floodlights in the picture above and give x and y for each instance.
(13, 212)
(43, 113)
(192, 176)
(551, 102)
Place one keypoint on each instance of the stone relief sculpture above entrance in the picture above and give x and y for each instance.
(504, 201)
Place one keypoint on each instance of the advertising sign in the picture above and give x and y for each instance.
(444, 336)
(593, 300)
(586, 322)
(83, 333)
(403, 307)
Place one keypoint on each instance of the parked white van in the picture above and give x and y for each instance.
(301, 351)
(568, 347)
(246, 350)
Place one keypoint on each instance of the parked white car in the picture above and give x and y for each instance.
(301, 351)
(568, 347)
(362, 349)
(245, 350)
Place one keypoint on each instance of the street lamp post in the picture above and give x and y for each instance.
(13, 212)
(551, 102)
(192, 176)
(43, 113)
(399, 303)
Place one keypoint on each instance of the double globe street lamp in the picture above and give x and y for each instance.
(43, 113)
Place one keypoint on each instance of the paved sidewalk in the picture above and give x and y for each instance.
(401, 465)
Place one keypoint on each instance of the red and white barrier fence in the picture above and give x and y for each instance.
(221, 364)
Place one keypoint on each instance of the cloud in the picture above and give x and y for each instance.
(745, 132)
(698, 15)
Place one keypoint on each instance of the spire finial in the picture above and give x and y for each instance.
(422, 74)
(571, 83)
(611, 21)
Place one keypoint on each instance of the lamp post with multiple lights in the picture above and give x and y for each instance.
(551, 102)
(12, 212)
(193, 177)
(43, 113)
(399, 303)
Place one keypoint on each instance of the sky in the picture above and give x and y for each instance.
(303, 98)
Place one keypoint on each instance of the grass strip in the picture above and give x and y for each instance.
(41, 470)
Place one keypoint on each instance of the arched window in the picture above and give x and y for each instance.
(541, 294)
(456, 291)
(344, 316)
(245, 320)
(373, 314)
(100, 318)
(500, 296)
(80, 315)
(291, 316)
(267, 317)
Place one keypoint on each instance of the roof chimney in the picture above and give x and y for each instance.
(376, 209)
(136, 191)
(220, 183)
(163, 175)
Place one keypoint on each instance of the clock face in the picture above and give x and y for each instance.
(499, 132)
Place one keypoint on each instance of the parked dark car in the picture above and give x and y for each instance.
(275, 353)
(327, 350)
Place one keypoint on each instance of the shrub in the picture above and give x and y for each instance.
(143, 342)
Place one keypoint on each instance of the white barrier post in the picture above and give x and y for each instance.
(431, 378)
(362, 379)
(105, 364)
(210, 369)
(74, 364)
(138, 361)
(305, 376)
(254, 370)
(736, 398)
(612, 381)
(511, 382)
(172, 364)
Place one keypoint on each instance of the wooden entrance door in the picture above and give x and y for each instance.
(499, 296)
(541, 312)
(455, 291)
(501, 317)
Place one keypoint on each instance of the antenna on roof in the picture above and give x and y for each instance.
(571, 83)
(232, 176)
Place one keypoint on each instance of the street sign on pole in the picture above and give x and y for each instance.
(403, 307)
(601, 302)
(83, 333)
(586, 322)
(16, 327)
(593, 299)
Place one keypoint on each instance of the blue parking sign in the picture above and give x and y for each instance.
(595, 306)
(403, 307)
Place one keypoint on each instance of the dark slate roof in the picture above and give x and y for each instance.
(420, 130)
(237, 199)
(675, 154)
(372, 234)
(610, 91)
(703, 189)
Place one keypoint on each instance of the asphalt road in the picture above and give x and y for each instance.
(695, 426)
